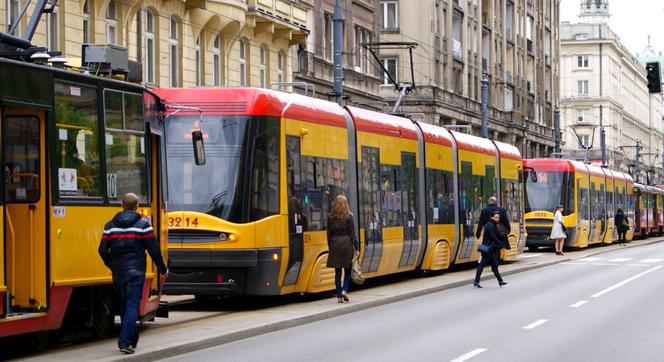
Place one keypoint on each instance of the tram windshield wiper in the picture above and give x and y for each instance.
(216, 206)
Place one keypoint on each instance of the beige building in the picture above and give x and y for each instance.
(603, 82)
(314, 60)
(515, 42)
(179, 43)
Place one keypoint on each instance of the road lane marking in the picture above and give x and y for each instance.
(620, 260)
(651, 260)
(579, 303)
(469, 355)
(590, 259)
(634, 264)
(529, 255)
(599, 294)
(536, 324)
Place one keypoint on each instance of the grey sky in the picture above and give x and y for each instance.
(632, 20)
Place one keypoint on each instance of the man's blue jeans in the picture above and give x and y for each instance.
(129, 284)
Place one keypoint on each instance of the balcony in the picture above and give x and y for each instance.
(281, 18)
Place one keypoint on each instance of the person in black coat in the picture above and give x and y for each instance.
(622, 225)
(492, 256)
(342, 245)
(485, 215)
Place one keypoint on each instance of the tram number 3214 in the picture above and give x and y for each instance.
(179, 222)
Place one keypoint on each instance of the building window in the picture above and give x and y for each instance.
(583, 87)
(362, 36)
(111, 24)
(391, 65)
(86, 22)
(280, 67)
(328, 41)
(264, 60)
(216, 59)
(243, 63)
(584, 141)
(582, 61)
(388, 15)
(582, 115)
(53, 30)
(197, 49)
(13, 7)
(150, 60)
(174, 52)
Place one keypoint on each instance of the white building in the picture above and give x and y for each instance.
(603, 84)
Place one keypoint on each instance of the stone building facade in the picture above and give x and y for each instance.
(603, 84)
(179, 43)
(514, 42)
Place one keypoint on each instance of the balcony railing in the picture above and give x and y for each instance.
(280, 9)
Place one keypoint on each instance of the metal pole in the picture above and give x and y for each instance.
(638, 155)
(337, 22)
(602, 136)
(556, 129)
(485, 106)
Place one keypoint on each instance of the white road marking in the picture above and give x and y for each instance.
(651, 260)
(469, 355)
(529, 255)
(634, 264)
(590, 259)
(620, 260)
(579, 303)
(599, 294)
(536, 324)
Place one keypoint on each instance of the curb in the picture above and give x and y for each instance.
(176, 350)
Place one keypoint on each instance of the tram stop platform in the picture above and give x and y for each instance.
(195, 329)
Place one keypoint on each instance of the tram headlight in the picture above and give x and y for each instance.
(227, 237)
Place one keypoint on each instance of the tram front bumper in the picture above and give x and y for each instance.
(223, 272)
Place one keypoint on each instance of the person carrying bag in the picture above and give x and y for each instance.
(342, 245)
(558, 230)
(490, 249)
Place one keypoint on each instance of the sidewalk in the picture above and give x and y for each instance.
(177, 338)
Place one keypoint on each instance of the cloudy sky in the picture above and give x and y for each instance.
(632, 20)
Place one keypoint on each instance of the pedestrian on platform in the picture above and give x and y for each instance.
(124, 242)
(622, 225)
(342, 244)
(503, 227)
(492, 256)
(558, 230)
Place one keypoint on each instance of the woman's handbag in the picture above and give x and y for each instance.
(356, 274)
(484, 249)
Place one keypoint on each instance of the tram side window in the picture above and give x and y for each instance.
(601, 203)
(265, 170)
(440, 197)
(583, 203)
(126, 161)
(335, 180)
(77, 147)
(610, 205)
(313, 198)
(391, 206)
(469, 192)
(488, 184)
(21, 150)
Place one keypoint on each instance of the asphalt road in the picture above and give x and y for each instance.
(604, 308)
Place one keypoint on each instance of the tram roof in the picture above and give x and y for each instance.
(435, 134)
(381, 123)
(508, 151)
(595, 171)
(555, 164)
(255, 102)
(473, 143)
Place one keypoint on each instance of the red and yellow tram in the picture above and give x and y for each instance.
(252, 220)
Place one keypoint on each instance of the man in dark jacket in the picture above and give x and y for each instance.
(622, 225)
(126, 238)
(491, 257)
(485, 216)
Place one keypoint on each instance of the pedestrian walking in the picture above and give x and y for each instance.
(622, 225)
(492, 255)
(122, 248)
(503, 227)
(558, 230)
(342, 244)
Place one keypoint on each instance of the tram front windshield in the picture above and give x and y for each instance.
(240, 179)
(548, 189)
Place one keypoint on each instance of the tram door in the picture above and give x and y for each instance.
(409, 206)
(370, 206)
(296, 220)
(25, 208)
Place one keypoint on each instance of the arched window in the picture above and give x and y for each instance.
(149, 43)
(111, 23)
(216, 59)
(174, 52)
(197, 48)
(264, 72)
(243, 62)
(87, 21)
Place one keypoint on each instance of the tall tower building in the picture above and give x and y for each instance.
(594, 12)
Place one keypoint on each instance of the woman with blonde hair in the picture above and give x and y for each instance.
(342, 244)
